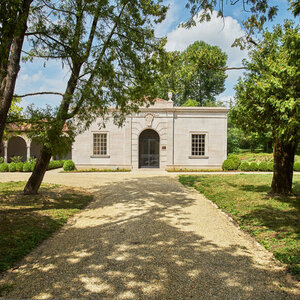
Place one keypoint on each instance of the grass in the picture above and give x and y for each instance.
(274, 222)
(96, 170)
(25, 221)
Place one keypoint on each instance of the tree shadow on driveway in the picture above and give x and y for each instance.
(137, 241)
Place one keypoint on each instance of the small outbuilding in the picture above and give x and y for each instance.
(160, 137)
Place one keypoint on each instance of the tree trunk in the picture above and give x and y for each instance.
(284, 154)
(8, 83)
(38, 173)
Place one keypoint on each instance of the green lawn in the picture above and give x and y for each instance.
(274, 222)
(25, 221)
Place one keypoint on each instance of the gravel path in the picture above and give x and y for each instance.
(145, 236)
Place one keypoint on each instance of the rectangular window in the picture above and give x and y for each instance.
(100, 144)
(198, 144)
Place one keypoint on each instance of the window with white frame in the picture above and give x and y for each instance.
(100, 144)
(198, 144)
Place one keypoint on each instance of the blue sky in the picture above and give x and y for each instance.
(34, 77)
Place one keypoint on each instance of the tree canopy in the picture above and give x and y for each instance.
(267, 98)
(111, 53)
(197, 73)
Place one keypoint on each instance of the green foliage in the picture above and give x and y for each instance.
(266, 99)
(27, 166)
(19, 167)
(297, 166)
(114, 63)
(4, 167)
(32, 166)
(229, 164)
(1, 160)
(55, 164)
(14, 115)
(238, 139)
(12, 167)
(245, 166)
(190, 103)
(16, 159)
(270, 166)
(263, 166)
(235, 159)
(195, 74)
(253, 166)
(69, 165)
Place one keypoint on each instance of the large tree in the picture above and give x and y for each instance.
(197, 73)
(13, 25)
(268, 98)
(110, 50)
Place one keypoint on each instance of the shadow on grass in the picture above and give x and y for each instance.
(25, 221)
(136, 242)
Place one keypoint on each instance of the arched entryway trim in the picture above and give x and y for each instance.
(149, 149)
(35, 149)
(16, 146)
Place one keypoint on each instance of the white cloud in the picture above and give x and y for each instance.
(34, 77)
(218, 32)
(170, 21)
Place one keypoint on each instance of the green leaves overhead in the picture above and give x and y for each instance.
(109, 47)
(268, 95)
(198, 73)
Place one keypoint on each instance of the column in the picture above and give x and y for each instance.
(5, 151)
(28, 142)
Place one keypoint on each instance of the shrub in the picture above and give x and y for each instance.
(69, 165)
(27, 167)
(31, 159)
(245, 166)
(12, 167)
(16, 159)
(54, 164)
(228, 164)
(32, 165)
(4, 167)
(263, 166)
(1, 160)
(235, 159)
(19, 167)
(253, 166)
(270, 166)
(297, 166)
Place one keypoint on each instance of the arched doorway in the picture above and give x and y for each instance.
(35, 149)
(149, 149)
(16, 147)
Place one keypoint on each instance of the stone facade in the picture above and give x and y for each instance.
(176, 137)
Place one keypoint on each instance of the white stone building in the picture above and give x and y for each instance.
(161, 136)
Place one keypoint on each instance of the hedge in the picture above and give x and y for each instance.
(69, 165)
(229, 164)
(235, 159)
(245, 166)
(12, 167)
(4, 167)
(297, 166)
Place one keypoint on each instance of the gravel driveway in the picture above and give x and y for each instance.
(145, 236)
